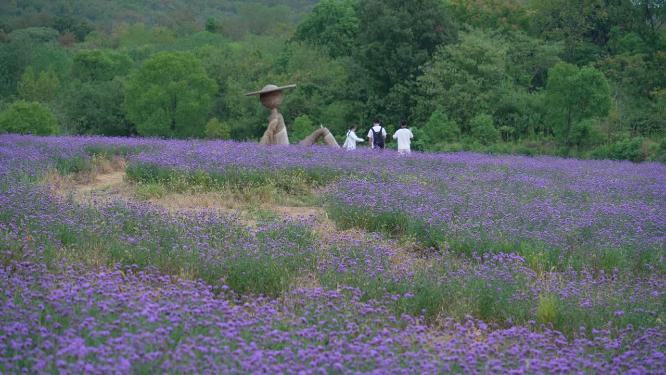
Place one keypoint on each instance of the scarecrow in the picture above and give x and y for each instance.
(271, 97)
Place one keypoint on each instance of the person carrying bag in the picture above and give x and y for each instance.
(377, 135)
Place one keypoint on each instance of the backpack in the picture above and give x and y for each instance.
(377, 137)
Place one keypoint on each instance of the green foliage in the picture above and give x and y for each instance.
(150, 191)
(440, 129)
(42, 87)
(625, 149)
(257, 19)
(290, 181)
(575, 94)
(212, 25)
(621, 43)
(34, 35)
(31, 47)
(586, 133)
(353, 60)
(506, 14)
(332, 25)
(322, 95)
(661, 152)
(100, 65)
(96, 108)
(483, 130)
(529, 59)
(462, 79)
(216, 129)
(303, 126)
(571, 23)
(396, 38)
(170, 95)
(548, 309)
(77, 26)
(25, 117)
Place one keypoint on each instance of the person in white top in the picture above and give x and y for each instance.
(350, 141)
(404, 137)
(377, 135)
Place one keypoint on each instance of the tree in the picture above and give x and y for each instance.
(482, 129)
(585, 133)
(492, 14)
(170, 95)
(323, 90)
(463, 79)
(528, 59)
(395, 39)
(25, 117)
(67, 39)
(42, 87)
(212, 25)
(30, 47)
(79, 28)
(303, 126)
(96, 108)
(100, 65)
(332, 25)
(440, 129)
(582, 26)
(574, 94)
(215, 129)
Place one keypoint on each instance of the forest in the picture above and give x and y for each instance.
(573, 78)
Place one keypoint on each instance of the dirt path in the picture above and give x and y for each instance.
(111, 185)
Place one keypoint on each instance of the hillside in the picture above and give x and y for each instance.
(518, 77)
(168, 13)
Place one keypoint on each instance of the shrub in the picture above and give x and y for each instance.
(548, 310)
(661, 152)
(440, 129)
(626, 149)
(585, 133)
(303, 126)
(216, 129)
(482, 129)
(149, 191)
(38, 86)
(28, 118)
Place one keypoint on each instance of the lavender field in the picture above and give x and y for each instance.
(431, 263)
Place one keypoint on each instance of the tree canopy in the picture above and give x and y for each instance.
(170, 95)
(25, 117)
(150, 67)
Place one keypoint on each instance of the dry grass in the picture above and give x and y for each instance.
(106, 183)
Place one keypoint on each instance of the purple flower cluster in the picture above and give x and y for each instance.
(119, 321)
(120, 302)
(571, 205)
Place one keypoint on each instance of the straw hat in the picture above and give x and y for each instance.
(270, 88)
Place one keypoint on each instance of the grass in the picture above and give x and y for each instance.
(538, 255)
(293, 181)
(248, 188)
(429, 292)
(153, 241)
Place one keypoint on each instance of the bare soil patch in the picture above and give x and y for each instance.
(108, 184)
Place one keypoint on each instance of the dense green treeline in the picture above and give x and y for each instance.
(573, 78)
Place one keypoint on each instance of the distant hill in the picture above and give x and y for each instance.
(103, 14)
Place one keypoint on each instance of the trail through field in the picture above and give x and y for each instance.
(110, 185)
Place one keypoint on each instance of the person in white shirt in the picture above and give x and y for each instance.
(377, 135)
(351, 139)
(404, 137)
